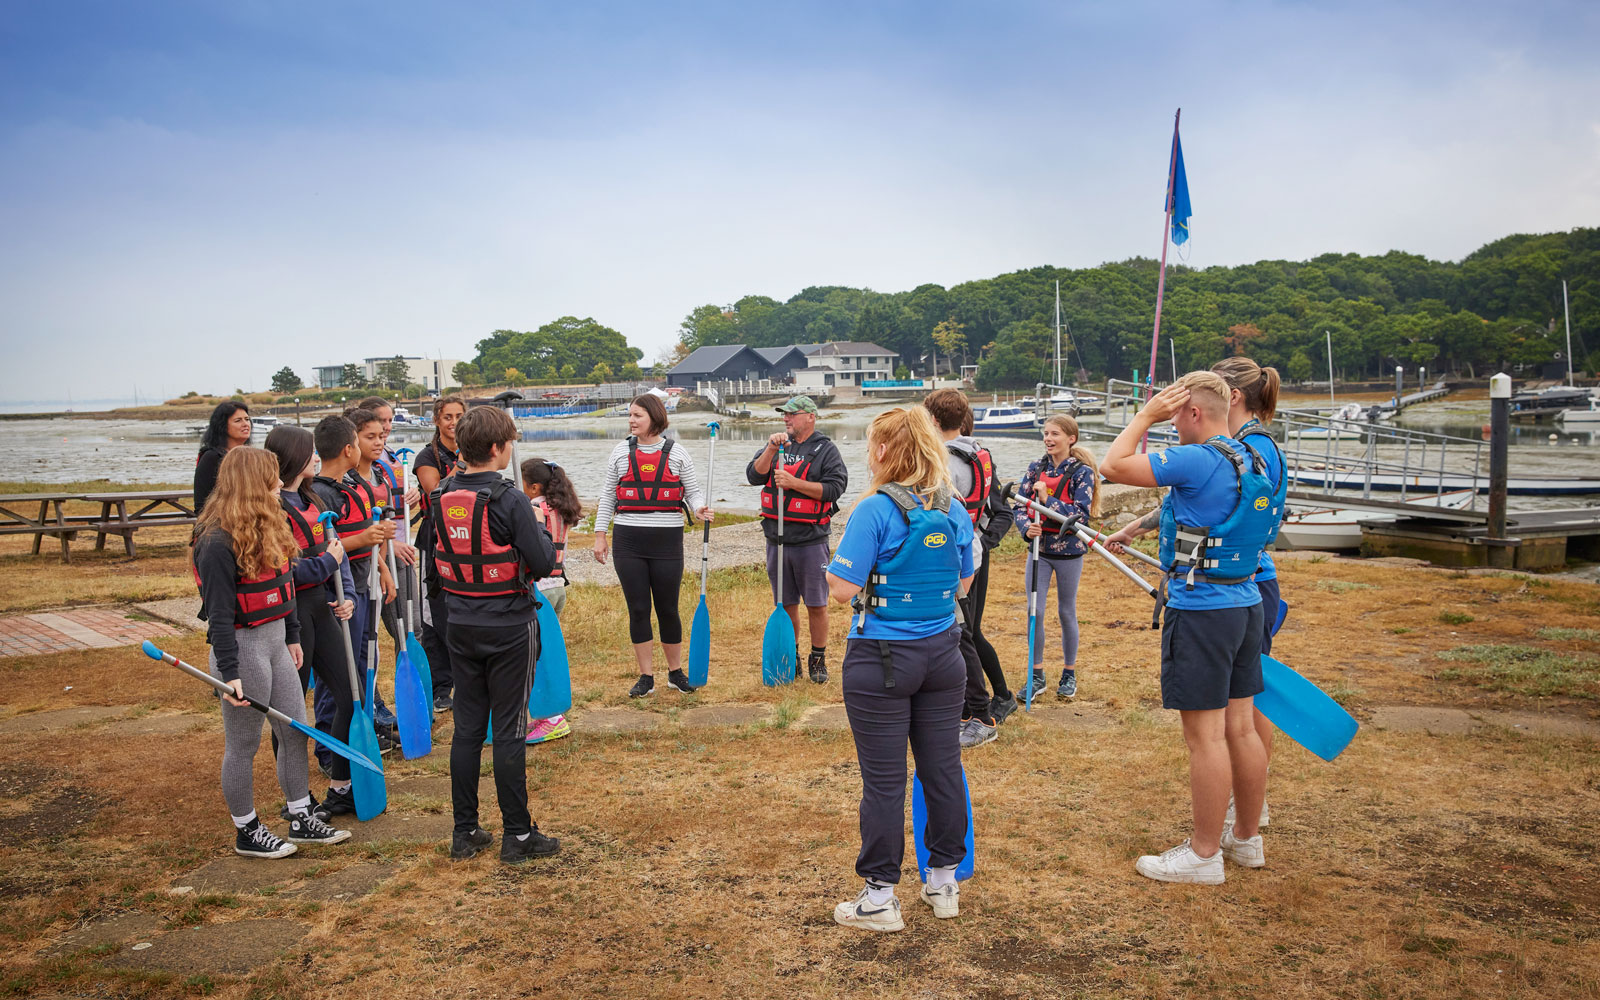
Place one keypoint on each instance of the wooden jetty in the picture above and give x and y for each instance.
(1535, 540)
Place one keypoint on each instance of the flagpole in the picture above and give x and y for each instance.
(1166, 235)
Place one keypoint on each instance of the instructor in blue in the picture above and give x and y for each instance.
(1217, 517)
(905, 558)
(805, 464)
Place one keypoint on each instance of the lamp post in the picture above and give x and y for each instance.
(297, 411)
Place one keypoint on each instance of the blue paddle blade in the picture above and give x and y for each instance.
(412, 712)
(368, 789)
(552, 675)
(419, 660)
(700, 646)
(1303, 711)
(1027, 671)
(919, 820)
(1283, 612)
(777, 649)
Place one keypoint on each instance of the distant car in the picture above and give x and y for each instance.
(674, 390)
(554, 395)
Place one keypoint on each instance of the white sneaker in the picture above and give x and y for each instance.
(860, 912)
(946, 901)
(1250, 853)
(1232, 818)
(1182, 864)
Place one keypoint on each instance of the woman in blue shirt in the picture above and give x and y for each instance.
(1066, 481)
(905, 557)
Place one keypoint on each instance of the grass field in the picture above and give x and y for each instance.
(706, 861)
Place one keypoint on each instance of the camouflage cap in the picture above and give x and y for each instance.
(798, 404)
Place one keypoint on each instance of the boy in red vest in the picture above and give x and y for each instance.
(490, 546)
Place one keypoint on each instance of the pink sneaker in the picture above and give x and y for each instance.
(545, 730)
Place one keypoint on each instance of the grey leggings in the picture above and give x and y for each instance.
(1066, 571)
(267, 672)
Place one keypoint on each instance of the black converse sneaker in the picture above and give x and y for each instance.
(643, 686)
(677, 680)
(308, 829)
(256, 841)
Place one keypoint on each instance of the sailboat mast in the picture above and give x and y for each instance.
(1058, 331)
(1331, 402)
(1566, 309)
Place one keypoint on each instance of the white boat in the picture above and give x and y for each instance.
(999, 418)
(1027, 402)
(263, 424)
(1344, 425)
(1063, 400)
(403, 416)
(1338, 529)
(1580, 416)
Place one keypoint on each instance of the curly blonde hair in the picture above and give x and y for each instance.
(915, 455)
(245, 508)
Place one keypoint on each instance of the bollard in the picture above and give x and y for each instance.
(1499, 435)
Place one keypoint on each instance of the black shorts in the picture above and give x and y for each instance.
(1208, 657)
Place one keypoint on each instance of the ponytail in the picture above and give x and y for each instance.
(1258, 385)
(555, 488)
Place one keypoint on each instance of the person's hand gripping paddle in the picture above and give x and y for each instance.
(700, 628)
(413, 705)
(367, 788)
(777, 643)
(362, 762)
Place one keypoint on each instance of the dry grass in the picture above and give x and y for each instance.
(705, 862)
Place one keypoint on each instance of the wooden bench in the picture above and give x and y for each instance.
(151, 509)
(14, 522)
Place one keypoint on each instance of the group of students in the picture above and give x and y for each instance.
(913, 564)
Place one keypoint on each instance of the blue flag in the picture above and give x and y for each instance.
(1178, 194)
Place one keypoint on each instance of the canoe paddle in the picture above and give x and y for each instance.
(919, 819)
(778, 642)
(339, 747)
(551, 693)
(419, 656)
(700, 628)
(371, 796)
(412, 705)
(1291, 702)
(1033, 626)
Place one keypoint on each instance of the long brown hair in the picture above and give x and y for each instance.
(293, 447)
(915, 457)
(1259, 385)
(556, 489)
(1081, 452)
(245, 508)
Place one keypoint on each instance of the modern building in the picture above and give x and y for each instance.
(433, 374)
(732, 362)
(782, 361)
(845, 362)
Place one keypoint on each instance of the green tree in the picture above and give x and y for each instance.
(1300, 366)
(513, 375)
(901, 372)
(541, 353)
(393, 373)
(350, 377)
(949, 338)
(466, 373)
(599, 373)
(285, 381)
(631, 371)
(569, 371)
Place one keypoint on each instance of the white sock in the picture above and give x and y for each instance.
(299, 806)
(879, 895)
(524, 836)
(938, 878)
(339, 788)
(243, 821)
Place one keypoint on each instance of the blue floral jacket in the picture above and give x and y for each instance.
(1078, 495)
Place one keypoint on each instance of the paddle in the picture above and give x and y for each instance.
(372, 798)
(412, 705)
(419, 656)
(700, 628)
(778, 642)
(551, 693)
(339, 747)
(1033, 626)
(919, 819)
(1295, 705)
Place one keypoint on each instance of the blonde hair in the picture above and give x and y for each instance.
(1258, 385)
(1202, 385)
(1081, 452)
(915, 454)
(244, 507)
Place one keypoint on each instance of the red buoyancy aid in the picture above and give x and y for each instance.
(558, 538)
(982, 464)
(261, 599)
(648, 485)
(310, 535)
(798, 508)
(469, 562)
(1057, 486)
(354, 518)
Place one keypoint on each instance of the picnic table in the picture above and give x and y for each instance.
(150, 509)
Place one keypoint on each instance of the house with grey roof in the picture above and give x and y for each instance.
(731, 362)
(845, 362)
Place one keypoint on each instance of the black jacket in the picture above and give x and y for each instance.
(511, 521)
(219, 595)
(827, 468)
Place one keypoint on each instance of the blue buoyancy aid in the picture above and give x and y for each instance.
(919, 580)
(1228, 552)
(1280, 493)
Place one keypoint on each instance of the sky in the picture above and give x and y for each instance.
(194, 194)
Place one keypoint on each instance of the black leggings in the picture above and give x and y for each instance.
(323, 652)
(649, 564)
(977, 596)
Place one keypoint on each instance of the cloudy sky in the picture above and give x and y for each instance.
(193, 194)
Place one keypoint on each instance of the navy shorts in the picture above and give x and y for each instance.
(805, 574)
(1209, 657)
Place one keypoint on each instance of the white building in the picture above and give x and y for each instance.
(433, 374)
(844, 362)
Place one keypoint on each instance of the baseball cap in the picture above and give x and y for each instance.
(798, 404)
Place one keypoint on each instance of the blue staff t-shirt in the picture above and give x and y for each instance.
(1205, 490)
(875, 531)
(1266, 569)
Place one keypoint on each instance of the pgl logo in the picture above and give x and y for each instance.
(460, 534)
(934, 540)
(647, 468)
(1261, 503)
(316, 531)
(273, 598)
(457, 511)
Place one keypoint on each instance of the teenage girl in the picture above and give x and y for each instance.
(546, 484)
(434, 463)
(321, 556)
(648, 485)
(228, 428)
(242, 558)
(1065, 480)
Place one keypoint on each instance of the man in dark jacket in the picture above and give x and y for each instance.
(807, 467)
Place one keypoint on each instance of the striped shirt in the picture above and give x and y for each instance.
(678, 463)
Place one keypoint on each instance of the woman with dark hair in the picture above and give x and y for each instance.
(228, 428)
(435, 463)
(649, 484)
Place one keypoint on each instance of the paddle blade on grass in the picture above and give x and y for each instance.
(777, 649)
(552, 675)
(700, 645)
(919, 820)
(1304, 711)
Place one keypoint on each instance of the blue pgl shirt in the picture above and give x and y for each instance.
(874, 532)
(1204, 492)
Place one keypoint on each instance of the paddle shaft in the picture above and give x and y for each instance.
(1144, 557)
(1089, 538)
(705, 538)
(344, 623)
(780, 546)
(1033, 620)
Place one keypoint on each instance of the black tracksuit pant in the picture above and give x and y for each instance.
(322, 651)
(979, 654)
(493, 668)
